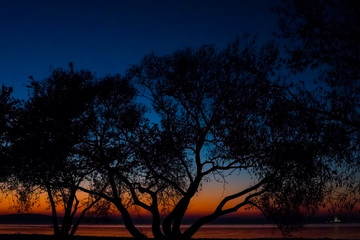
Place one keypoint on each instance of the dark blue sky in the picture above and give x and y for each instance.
(108, 36)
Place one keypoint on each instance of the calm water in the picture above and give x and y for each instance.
(343, 231)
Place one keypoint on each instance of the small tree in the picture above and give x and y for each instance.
(53, 122)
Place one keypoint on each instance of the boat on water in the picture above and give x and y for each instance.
(335, 220)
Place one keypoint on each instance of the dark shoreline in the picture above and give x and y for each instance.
(50, 237)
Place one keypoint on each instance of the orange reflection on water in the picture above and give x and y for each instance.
(336, 231)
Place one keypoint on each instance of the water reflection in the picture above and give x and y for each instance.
(343, 231)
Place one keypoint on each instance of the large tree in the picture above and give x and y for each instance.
(214, 112)
(53, 122)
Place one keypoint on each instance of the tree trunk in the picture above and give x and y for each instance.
(67, 220)
(156, 224)
(177, 236)
(128, 221)
(53, 212)
(81, 216)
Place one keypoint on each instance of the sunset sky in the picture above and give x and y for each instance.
(106, 37)
(204, 203)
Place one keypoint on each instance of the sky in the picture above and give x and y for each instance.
(106, 37)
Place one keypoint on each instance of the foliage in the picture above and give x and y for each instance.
(109, 145)
(219, 111)
(9, 109)
(52, 123)
(325, 36)
(150, 140)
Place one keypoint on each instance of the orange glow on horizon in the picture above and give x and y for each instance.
(203, 204)
(8, 206)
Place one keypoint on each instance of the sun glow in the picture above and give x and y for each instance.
(203, 203)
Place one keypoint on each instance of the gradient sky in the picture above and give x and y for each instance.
(106, 37)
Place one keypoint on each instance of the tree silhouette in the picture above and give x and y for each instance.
(109, 146)
(53, 122)
(219, 112)
(325, 36)
(9, 109)
(151, 139)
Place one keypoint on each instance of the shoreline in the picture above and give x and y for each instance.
(116, 232)
(17, 236)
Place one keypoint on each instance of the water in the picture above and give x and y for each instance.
(337, 231)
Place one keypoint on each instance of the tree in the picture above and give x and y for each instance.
(9, 108)
(109, 145)
(325, 36)
(53, 122)
(219, 112)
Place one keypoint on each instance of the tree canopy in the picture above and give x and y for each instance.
(324, 35)
(228, 110)
(152, 138)
(52, 123)
(9, 108)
